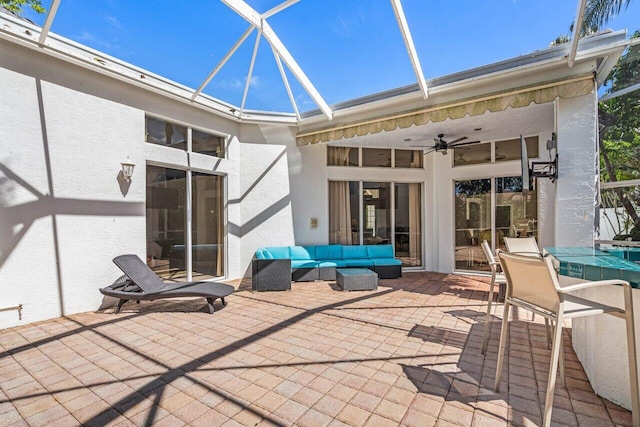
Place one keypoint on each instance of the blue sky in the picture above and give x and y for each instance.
(347, 48)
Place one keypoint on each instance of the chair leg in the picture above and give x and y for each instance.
(210, 304)
(487, 319)
(503, 342)
(561, 361)
(633, 361)
(547, 327)
(120, 304)
(553, 371)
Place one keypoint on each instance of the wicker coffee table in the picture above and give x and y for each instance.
(356, 279)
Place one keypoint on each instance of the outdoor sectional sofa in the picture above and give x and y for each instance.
(274, 268)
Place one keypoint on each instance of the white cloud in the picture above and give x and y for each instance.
(86, 37)
(238, 83)
(113, 21)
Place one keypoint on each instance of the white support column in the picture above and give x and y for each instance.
(411, 49)
(576, 187)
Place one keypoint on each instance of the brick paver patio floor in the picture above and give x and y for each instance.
(407, 354)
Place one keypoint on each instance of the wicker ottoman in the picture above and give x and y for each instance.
(356, 279)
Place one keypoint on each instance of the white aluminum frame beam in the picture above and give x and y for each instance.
(257, 21)
(48, 21)
(620, 92)
(250, 73)
(286, 83)
(411, 49)
(223, 61)
(577, 26)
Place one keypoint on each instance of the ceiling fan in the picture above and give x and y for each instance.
(441, 146)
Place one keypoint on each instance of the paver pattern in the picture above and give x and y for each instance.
(407, 354)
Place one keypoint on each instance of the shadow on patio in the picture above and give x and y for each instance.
(408, 354)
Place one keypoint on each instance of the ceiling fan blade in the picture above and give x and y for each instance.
(457, 140)
(463, 143)
(423, 146)
(430, 150)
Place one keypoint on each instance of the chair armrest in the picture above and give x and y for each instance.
(586, 285)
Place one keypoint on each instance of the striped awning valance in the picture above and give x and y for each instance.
(475, 106)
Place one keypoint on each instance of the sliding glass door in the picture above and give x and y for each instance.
(377, 213)
(171, 252)
(490, 209)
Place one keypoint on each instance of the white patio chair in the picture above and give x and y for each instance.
(496, 277)
(522, 245)
(532, 284)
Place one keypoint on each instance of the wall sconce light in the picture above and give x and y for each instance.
(127, 169)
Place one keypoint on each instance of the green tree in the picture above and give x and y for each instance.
(16, 6)
(620, 139)
(598, 12)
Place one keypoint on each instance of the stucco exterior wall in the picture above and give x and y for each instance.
(64, 214)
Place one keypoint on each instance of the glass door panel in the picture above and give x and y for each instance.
(408, 229)
(207, 226)
(166, 222)
(516, 212)
(472, 223)
(376, 202)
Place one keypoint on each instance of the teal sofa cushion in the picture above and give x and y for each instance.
(303, 263)
(386, 261)
(278, 252)
(331, 252)
(358, 262)
(302, 252)
(260, 254)
(359, 252)
(379, 251)
(335, 263)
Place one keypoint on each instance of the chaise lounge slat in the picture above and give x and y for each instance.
(144, 284)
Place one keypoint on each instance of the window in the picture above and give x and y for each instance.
(503, 151)
(376, 157)
(408, 158)
(165, 133)
(472, 154)
(173, 135)
(206, 143)
(342, 156)
(510, 149)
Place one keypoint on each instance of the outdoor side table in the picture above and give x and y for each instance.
(356, 279)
